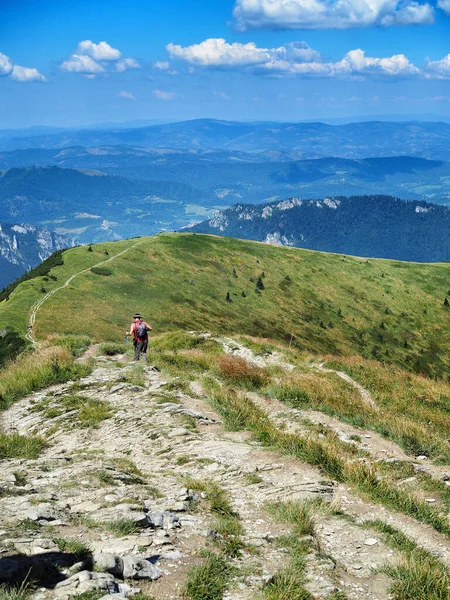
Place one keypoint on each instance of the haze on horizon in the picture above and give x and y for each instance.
(78, 63)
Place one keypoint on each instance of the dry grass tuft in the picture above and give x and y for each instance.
(35, 370)
(238, 371)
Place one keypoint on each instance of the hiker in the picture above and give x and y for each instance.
(139, 330)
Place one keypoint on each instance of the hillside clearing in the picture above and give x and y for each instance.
(319, 303)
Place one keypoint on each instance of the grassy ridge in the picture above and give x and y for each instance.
(322, 303)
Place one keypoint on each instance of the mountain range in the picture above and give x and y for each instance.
(218, 178)
(106, 184)
(88, 205)
(312, 140)
(371, 226)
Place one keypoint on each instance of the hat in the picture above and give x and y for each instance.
(137, 316)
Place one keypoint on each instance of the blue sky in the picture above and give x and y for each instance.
(78, 62)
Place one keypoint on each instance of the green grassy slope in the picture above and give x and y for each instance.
(324, 303)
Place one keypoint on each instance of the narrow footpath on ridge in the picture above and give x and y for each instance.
(35, 308)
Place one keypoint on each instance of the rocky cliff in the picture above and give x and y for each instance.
(23, 246)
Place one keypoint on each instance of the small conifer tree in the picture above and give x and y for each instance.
(322, 324)
(339, 312)
(244, 295)
(228, 298)
(90, 248)
(382, 325)
(234, 273)
(106, 253)
(260, 284)
(446, 303)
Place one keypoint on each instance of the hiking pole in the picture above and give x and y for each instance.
(126, 344)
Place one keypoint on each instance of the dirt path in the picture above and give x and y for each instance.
(365, 394)
(135, 463)
(168, 435)
(35, 308)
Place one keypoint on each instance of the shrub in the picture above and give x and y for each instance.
(209, 581)
(111, 349)
(37, 370)
(260, 284)
(13, 445)
(101, 271)
(11, 345)
(77, 344)
(240, 372)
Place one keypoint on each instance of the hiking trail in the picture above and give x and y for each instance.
(123, 488)
(35, 308)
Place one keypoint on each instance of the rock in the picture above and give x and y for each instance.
(11, 478)
(421, 457)
(44, 511)
(145, 541)
(138, 568)
(179, 432)
(370, 542)
(155, 519)
(172, 555)
(123, 511)
(430, 500)
(86, 581)
(111, 563)
(117, 388)
(179, 507)
(127, 591)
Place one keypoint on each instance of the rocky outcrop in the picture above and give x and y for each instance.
(24, 246)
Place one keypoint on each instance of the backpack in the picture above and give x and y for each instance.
(140, 330)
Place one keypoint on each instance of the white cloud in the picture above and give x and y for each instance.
(18, 73)
(217, 53)
(6, 65)
(437, 99)
(296, 60)
(25, 74)
(162, 65)
(127, 95)
(444, 5)
(101, 51)
(164, 95)
(80, 63)
(125, 64)
(438, 69)
(330, 14)
(223, 95)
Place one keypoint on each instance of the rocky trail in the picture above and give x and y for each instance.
(113, 507)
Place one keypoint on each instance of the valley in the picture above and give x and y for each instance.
(105, 185)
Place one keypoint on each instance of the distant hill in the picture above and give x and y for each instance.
(24, 246)
(89, 205)
(352, 140)
(373, 226)
(325, 303)
(223, 178)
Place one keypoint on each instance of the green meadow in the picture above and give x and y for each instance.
(317, 302)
